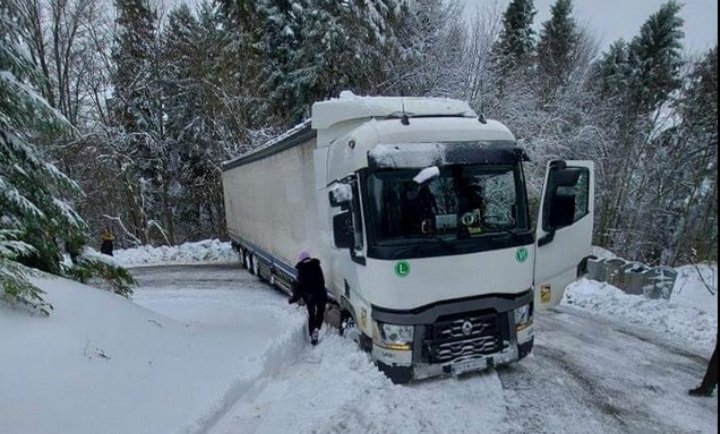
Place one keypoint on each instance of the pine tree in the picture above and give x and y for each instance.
(697, 233)
(611, 73)
(137, 110)
(654, 57)
(195, 150)
(556, 47)
(36, 211)
(516, 43)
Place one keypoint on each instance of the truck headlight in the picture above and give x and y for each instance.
(394, 337)
(523, 317)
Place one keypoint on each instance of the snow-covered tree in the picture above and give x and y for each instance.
(195, 122)
(637, 83)
(137, 109)
(516, 43)
(37, 216)
(556, 48)
(655, 58)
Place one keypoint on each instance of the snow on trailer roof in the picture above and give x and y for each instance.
(292, 137)
(350, 106)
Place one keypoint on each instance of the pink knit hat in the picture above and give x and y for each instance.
(303, 255)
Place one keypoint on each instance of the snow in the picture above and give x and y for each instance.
(201, 252)
(210, 349)
(602, 253)
(342, 192)
(688, 318)
(297, 128)
(415, 155)
(336, 388)
(426, 174)
(101, 364)
(696, 286)
(350, 107)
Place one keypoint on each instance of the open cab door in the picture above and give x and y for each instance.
(564, 232)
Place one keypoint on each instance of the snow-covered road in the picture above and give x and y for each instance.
(592, 375)
(587, 374)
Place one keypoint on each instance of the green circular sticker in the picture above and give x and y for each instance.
(521, 254)
(402, 268)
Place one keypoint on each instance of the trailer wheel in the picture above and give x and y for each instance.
(241, 255)
(249, 260)
(256, 267)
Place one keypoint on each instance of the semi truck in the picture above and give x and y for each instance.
(418, 210)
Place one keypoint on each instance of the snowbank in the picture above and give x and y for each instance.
(602, 253)
(201, 252)
(678, 319)
(101, 364)
(334, 388)
(696, 286)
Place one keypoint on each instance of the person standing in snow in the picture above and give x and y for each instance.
(107, 239)
(710, 379)
(310, 287)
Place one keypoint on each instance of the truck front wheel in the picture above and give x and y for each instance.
(396, 374)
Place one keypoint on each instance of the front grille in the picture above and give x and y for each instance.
(464, 337)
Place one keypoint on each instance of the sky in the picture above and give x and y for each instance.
(614, 19)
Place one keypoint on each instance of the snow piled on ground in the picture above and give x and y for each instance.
(201, 252)
(335, 388)
(689, 317)
(696, 286)
(101, 364)
(602, 253)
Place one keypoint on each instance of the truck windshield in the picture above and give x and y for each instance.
(464, 202)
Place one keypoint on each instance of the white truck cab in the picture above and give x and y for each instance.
(417, 209)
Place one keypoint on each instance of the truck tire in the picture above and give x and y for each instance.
(347, 322)
(249, 260)
(256, 267)
(396, 374)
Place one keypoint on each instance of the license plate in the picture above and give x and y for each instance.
(469, 365)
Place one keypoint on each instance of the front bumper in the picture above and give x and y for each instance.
(449, 339)
(401, 374)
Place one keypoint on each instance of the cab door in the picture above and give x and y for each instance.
(564, 231)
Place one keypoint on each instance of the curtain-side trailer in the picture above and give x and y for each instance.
(417, 209)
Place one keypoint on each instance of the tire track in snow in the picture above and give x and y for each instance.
(280, 353)
(335, 388)
(590, 375)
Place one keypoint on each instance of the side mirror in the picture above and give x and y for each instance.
(343, 230)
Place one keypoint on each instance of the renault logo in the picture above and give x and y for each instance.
(467, 328)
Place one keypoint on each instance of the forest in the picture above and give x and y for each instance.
(118, 115)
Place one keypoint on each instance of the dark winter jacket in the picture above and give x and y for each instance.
(310, 285)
